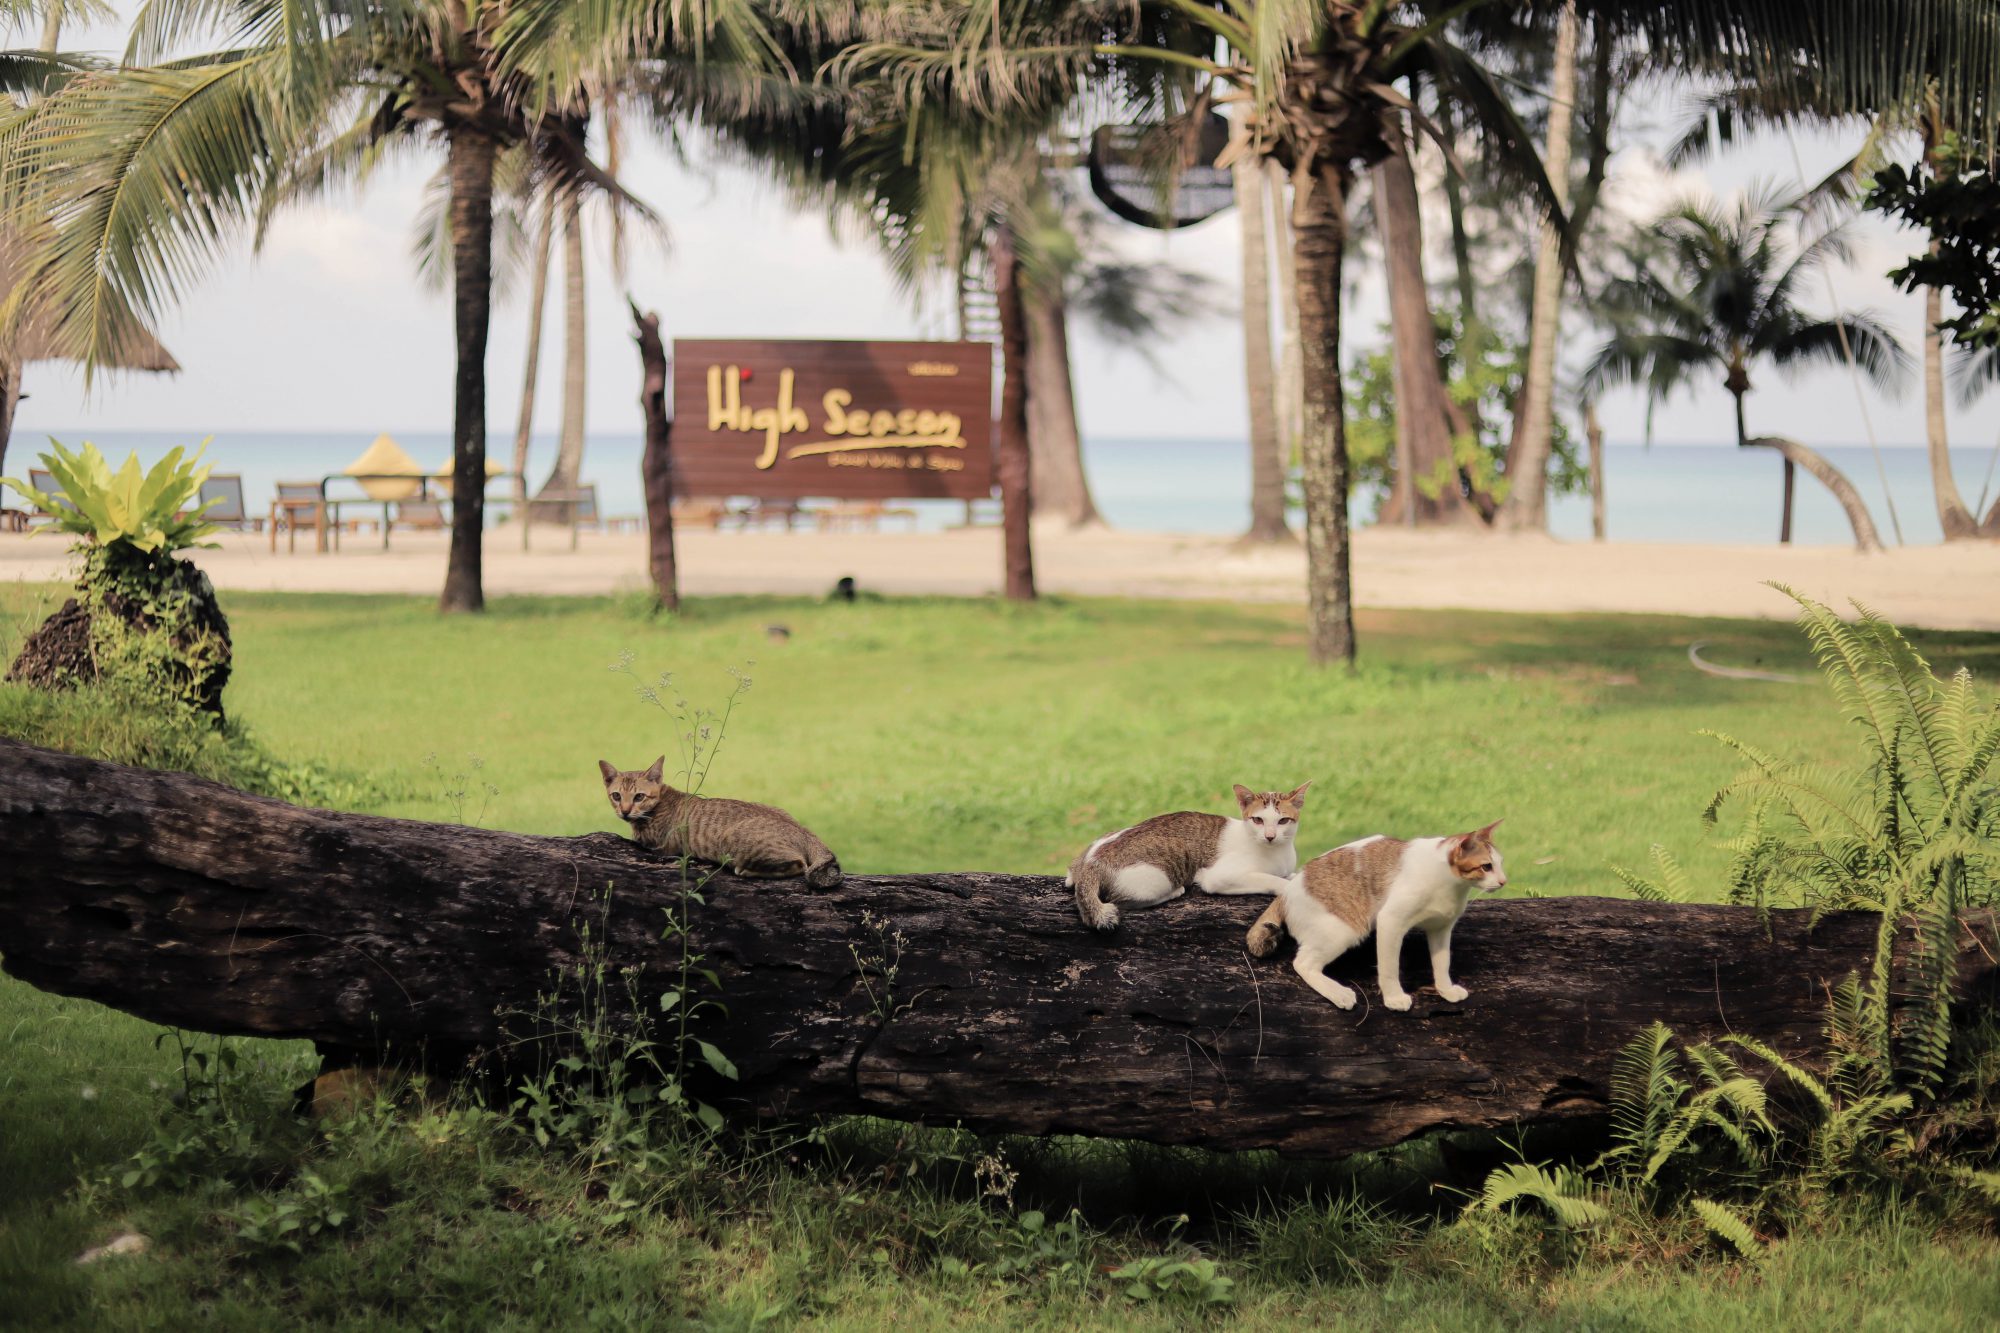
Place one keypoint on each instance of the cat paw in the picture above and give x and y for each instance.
(1399, 1002)
(1342, 997)
(1453, 992)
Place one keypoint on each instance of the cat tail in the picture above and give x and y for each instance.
(1262, 941)
(825, 873)
(1089, 879)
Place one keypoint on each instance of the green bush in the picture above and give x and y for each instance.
(153, 512)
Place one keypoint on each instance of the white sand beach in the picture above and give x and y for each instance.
(1942, 587)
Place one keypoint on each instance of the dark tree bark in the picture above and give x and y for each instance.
(388, 941)
(656, 465)
(1319, 244)
(1013, 461)
(10, 401)
(471, 165)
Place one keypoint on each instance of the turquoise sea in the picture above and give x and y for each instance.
(1661, 493)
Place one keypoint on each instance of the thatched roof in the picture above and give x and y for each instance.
(31, 337)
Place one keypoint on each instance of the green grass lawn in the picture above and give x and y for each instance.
(934, 735)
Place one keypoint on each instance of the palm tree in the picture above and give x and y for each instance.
(1260, 365)
(28, 332)
(1726, 300)
(1071, 272)
(1318, 78)
(149, 171)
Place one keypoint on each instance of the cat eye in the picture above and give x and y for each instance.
(1287, 819)
(1487, 868)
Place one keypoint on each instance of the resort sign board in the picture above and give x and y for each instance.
(847, 420)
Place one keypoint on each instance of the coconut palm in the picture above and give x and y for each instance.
(1724, 296)
(148, 172)
(1070, 272)
(26, 334)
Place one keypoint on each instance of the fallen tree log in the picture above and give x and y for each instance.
(973, 998)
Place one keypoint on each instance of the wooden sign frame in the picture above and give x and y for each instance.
(788, 419)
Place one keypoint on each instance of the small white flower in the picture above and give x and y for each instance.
(89, 1093)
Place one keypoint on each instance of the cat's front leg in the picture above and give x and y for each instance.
(1389, 963)
(1239, 882)
(1440, 942)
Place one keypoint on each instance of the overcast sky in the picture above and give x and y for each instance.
(328, 329)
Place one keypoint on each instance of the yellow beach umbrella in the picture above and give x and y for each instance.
(386, 458)
(441, 479)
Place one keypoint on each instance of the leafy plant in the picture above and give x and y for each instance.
(1658, 1114)
(1195, 1282)
(157, 511)
(1730, 1227)
(1672, 886)
(1915, 830)
(310, 1209)
(1564, 1191)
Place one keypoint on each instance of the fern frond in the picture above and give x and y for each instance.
(1730, 1227)
(1560, 1191)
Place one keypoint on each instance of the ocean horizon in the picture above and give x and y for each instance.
(1664, 492)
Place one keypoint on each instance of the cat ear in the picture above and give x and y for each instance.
(610, 773)
(1456, 844)
(1298, 793)
(1244, 796)
(657, 771)
(1487, 832)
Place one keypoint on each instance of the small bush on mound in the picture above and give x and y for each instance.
(140, 614)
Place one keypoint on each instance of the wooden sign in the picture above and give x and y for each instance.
(848, 420)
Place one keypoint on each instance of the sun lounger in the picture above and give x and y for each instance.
(764, 513)
(699, 513)
(418, 515)
(44, 482)
(226, 489)
(861, 515)
(301, 504)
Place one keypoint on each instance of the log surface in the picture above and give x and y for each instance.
(187, 903)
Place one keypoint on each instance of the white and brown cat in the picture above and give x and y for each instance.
(1157, 859)
(756, 841)
(1390, 887)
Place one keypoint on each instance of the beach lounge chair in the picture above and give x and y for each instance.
(418, 515)
(44, 482)
(226, 489)
(862, 516)
(702, 513)
(301, 504)
(574, 509)
(764, 513)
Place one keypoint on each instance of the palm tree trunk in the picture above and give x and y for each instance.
(1061, 490)
(1267, 477)
(1319, 249)
(1953, 516)
(1012, 460)
(568, 467)
(1528, 452)
(1291, 371)
(656, 463)
(524, 425)
(1796, 454)
(1593, 431)
(1423, 427)
(10, 400)
(471, 163)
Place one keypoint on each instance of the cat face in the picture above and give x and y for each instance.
(1273, 815)
(1475, 859)
(634, 795)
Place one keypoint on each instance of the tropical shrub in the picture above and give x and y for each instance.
(142, 615)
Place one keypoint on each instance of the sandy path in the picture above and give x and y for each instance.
(1956, 587)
